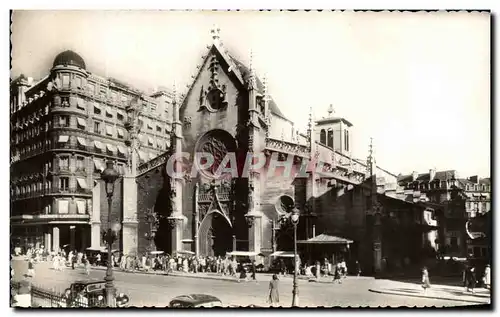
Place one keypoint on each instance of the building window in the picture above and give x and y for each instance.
(65, 101)
(158, 128)
(65, 81)
(64, 121)
(97, 127)
(78, 82)
(119, 116)
(91, 88)
(64, 183)
(64, 162)
(153, 107)
(330, 138)
(113, 96)
(80, 163)
(103, 91)
(322, 137)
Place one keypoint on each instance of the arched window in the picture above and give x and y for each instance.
(322, 137)
(330, 138)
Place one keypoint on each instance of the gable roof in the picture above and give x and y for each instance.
(245, 71)
(241, 71)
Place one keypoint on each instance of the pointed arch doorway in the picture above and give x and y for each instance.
(215, 234)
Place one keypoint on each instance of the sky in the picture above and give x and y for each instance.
(417, 83)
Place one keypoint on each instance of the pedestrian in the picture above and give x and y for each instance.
(487, 277)
(358, 269)
(243, 273)
(73, 261)
(254, 269)
(274, 296)
(86, 264)
(282, 267)
(337, 276)
(470, 279)
(31, 268)
(425, 279)
(55, 263)
(318, 270)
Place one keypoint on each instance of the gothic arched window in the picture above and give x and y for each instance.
(322, 137)
(330, 138)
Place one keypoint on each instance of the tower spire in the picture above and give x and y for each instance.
(369, 161)
(252, 82)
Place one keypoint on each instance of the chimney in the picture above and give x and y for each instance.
(415, 175)
(432, 174)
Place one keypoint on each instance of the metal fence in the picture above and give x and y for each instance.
(48, 298)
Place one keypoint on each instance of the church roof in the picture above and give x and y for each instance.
(245, 72)
(333, 120)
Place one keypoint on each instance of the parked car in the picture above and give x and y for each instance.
(195, 300)
(91, 294)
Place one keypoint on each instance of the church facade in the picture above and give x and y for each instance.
(227, 110)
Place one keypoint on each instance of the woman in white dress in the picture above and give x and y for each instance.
(55, 262)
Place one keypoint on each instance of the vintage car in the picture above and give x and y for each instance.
(90, 294)
(195, 300)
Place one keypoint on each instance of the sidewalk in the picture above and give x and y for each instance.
(442, 292)
(215, 276)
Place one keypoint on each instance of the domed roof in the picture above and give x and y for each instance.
(69, 58)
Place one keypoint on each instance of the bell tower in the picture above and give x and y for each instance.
(334, 132)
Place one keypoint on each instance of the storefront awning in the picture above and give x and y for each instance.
(111, 148)
(142, 156)
(121, 150)
(150, 141)
(109, 111)
(81, 141)
(98, 145)
(99, 165)
(82, 183)
(283, 254)
(81, 122)
(242, 253)
(120, 132)
(152, 156)
(326, 239)
(63, 138)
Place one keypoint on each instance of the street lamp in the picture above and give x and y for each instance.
(295, 221)
(109, 176)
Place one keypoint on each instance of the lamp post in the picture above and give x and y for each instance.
(295, 221)
(109, 176)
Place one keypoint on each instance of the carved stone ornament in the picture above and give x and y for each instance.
(250, 219)
(172, 222)
(218, 144)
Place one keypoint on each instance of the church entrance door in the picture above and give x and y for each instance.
(215, 235)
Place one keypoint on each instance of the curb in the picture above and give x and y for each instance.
(429, 297)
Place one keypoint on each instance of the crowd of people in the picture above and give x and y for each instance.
(185, 263)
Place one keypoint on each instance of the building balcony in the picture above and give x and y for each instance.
(50, 218)
(52, 191)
